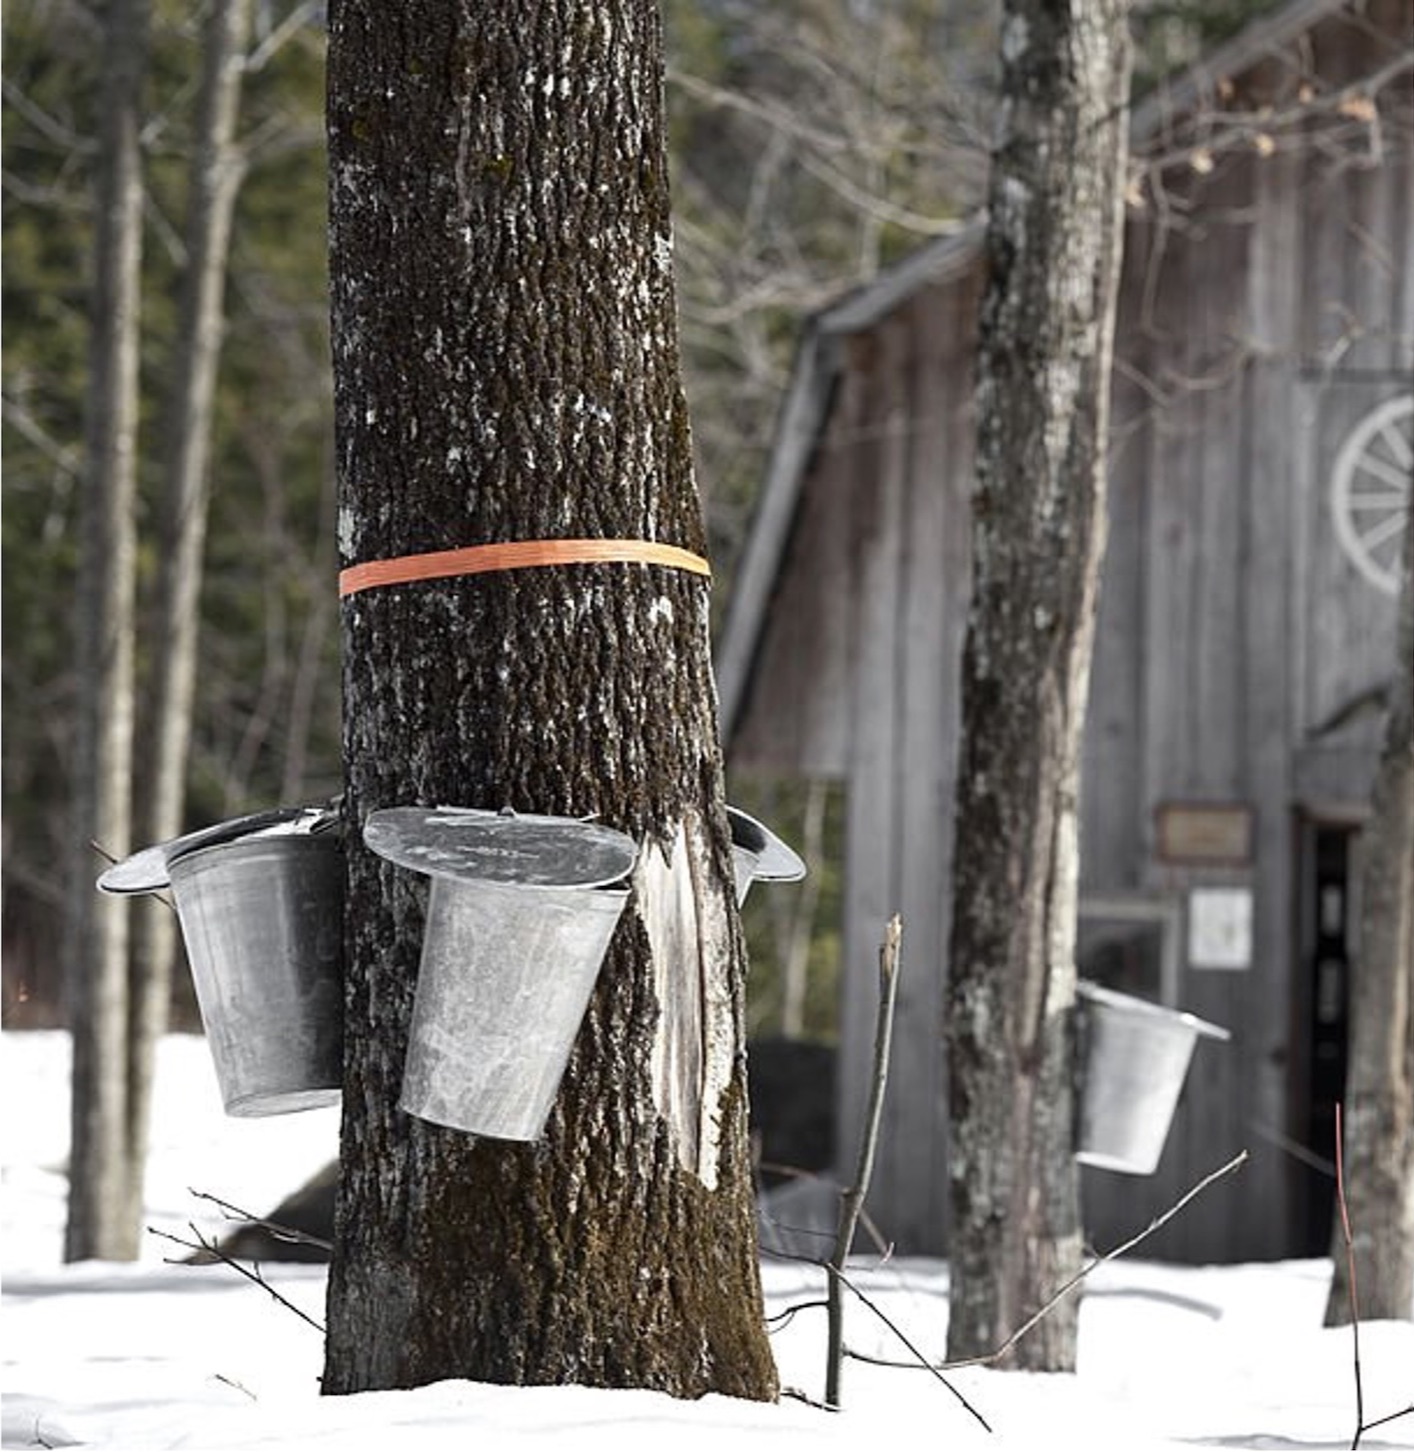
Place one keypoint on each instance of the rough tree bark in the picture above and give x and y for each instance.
(1053, 244)
(1379, 1091)
(506, 368)
(216, 172)
(96, 943)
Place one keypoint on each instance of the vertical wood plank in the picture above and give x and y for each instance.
(870, 867)
(1111, 845)
(934, 604)
(1272, 505)
(792, 717)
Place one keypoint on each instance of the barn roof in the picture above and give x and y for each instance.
(819, 353)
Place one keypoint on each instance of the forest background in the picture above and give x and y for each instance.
(813, 143)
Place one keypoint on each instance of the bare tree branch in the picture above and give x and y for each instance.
(252, 1274)
(1134, 1241)
(284, 1233)
(48, 126)
(304, 14)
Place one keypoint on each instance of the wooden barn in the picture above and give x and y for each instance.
(1261, 455)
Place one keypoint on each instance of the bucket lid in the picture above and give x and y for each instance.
(1125, 1003)
(504, 847)
(775, 861)
(149, 870)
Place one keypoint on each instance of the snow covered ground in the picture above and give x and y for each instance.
(159, 1355)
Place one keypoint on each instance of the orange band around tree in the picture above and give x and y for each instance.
(516, 555)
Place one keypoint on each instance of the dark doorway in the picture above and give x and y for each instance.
(1326, 907)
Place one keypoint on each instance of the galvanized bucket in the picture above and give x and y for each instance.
(1136, 1056)
(260, 900)
(519, 916)
(758, 853)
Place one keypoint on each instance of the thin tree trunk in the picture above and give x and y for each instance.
(1379, 1091)
(96, 957)
(217, 169)
(506, 369)
(1053, 242)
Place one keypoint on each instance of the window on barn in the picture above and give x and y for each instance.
(1130, 945)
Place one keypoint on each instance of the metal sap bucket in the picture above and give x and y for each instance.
(1136, 1056)
(758, 853)
(519, 916)
(260, 900)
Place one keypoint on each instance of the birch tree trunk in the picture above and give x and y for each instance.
(1379, 1091)
(216, 172)
(1053, 245)
(506, 369)
(96, 946)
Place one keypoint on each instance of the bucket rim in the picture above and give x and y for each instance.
(775, 860)
(284, 842)
(617, 890)
(1146, 1008)
(149, 869)
(501, 848)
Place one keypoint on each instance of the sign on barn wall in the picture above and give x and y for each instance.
(1220, 928)
(1203, 834)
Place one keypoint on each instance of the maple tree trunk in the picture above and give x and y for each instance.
(506, 368)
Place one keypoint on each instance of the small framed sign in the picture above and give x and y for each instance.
(1220, 928)
(1205, 834)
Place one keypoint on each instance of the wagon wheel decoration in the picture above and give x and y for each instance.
(1372, 487)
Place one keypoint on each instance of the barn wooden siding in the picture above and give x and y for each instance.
(873, 603)
(1267, 305)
